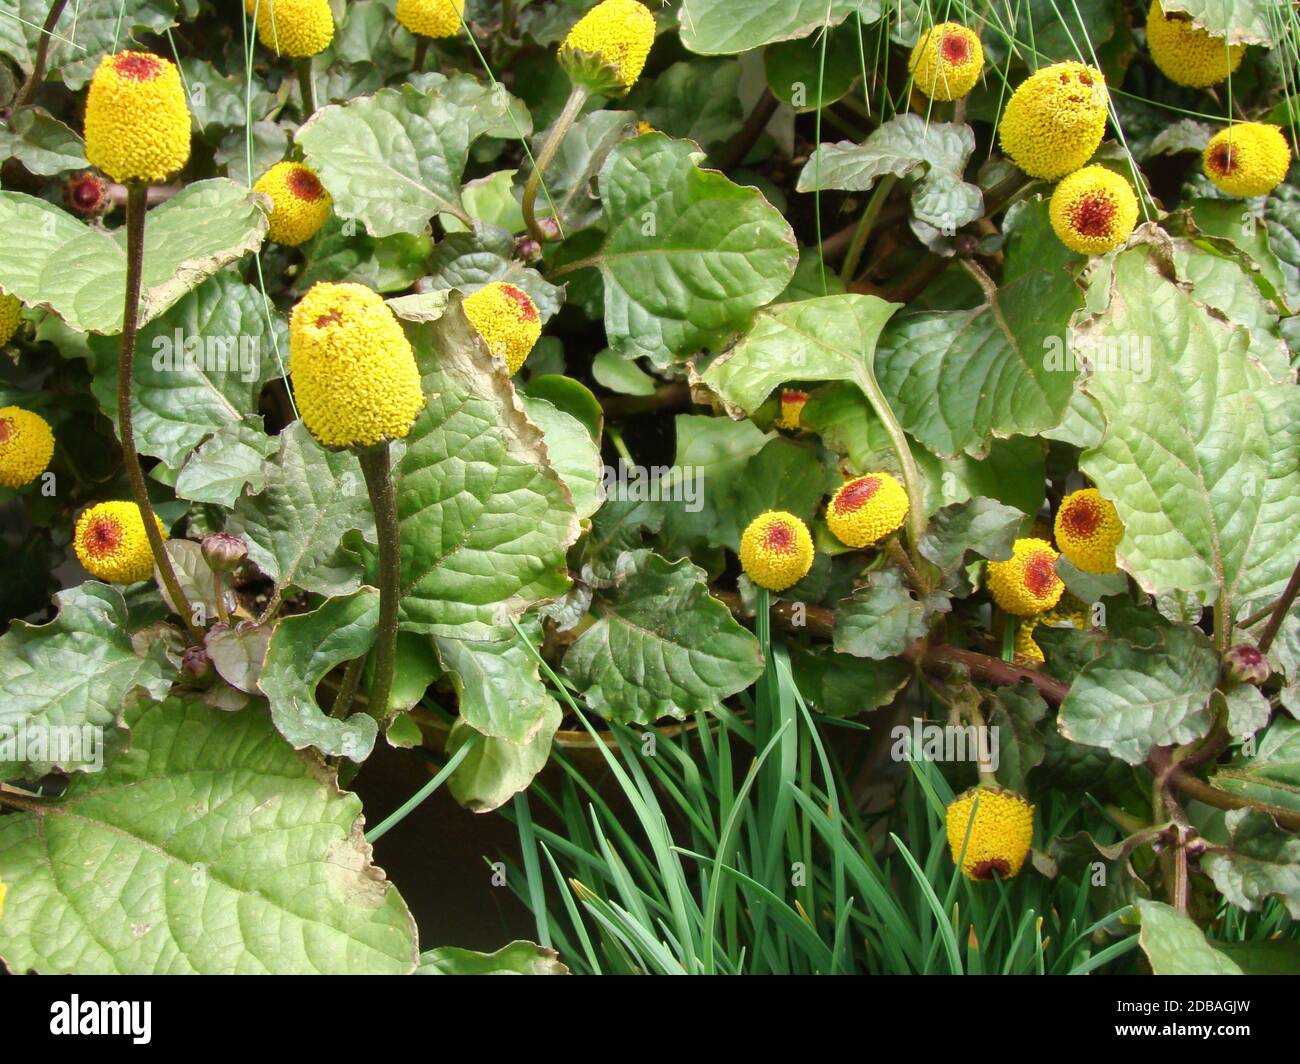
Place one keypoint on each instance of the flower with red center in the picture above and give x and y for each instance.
(776, 550)
(1026, 584)
(1246, 664)
(111, 543)
(299, 203)
(1093, 210)
(86, 194)
(1187, 54)
(1247, 159)
(137, 118)
(946, 61)
(866, 509)
(792, 404)
(26, 446)
(990, 831)
(507, 319)
(1088, 530)
(1055, 120)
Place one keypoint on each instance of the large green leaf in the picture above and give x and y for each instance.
(71, 675)
(728, 27)
(50, 259)
(697, 100)
(1272, 775)
(1261, 862)
(880, 619)
(571, 451)
(689, 255)
(1240, 21)
(497, 769)
(496, 679)
(43, 144)
(661, 645)
(211, 847)
(234, 456)
(1176, 946)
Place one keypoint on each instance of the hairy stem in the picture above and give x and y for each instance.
(347, 688)
(33, 83)
(307, 86)
(379, 483)
(1197, 788)
(1280, 608)
(572, 108)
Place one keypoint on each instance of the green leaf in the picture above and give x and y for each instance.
(1017, 714)
(74, 673)
(238, 653)
(881, 619)
(50, 259)
(661, 645)
(814, 72)
(568, 186)
(1272, 775)
(978, 525)
(500, 690)
(468, 261)
(518, 958)
(234, 456)
(689, 255)
(728, 27)
(1262, 862)
(302, 650)
(844, 686)
(42, 143)
(1176, 946)
(572, 453)
(1240, 21)
(392, 264)
(497, 769)
(697, 100)
(211, 847)
(621, 375)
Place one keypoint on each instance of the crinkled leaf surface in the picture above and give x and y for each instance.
(1262, 861)
(726, 27)
(1240, 21)
(1176, 946)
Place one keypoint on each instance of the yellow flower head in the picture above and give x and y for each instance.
(1027, 650)
(1248, 159)
(299, 202)
(431, 18)
(1055, 120)
(776, 550)
(137, 119)
(11, 316)
(606, 50)
(866, 509)
(1000, 837)
(1088, 529)
(792, 404)
(947, 61)
(110, 542)
(1187, 54)
(1093, 210)
(507, 319)
(1026, 584)
(352, 368)
(296, 28)
(26, 446)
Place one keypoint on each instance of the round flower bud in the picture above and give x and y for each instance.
(607, 48)
(1248, 159)
(947, 61)
(1088, 530)
(137, 120)
(351, 366)
(197, 666)
(866, 509)
(110, 542)
(1245, 664)
(26, 446)
(11, 316)
(1027, 650)
(86, 194)
(792, 404)
(776, 550)
(299, 203)
(1000, 837)
(431, 18)
(296, 28)
(1187, 54)
(1055, 120)
(1093, 210)
(1026, 584)
(507, 319)
(223, 552)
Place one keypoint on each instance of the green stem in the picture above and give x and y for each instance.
(383, 500)
(421, 54)
(307, 85)
(572, 108)
(865, 225)
(219, 595)
(411, 804)
(347, 688)
(33, 83)
(136, 200)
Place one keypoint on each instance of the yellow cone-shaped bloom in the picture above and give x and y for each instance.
(1026, 584)
(11, 316)
(507, 319)
(776, 550)
(1088, 530)
(615, 35)
(352, 368)
(792, 403)
(137, 119)
(947, 61)
(110, 542)
(866, 509)
(26, 446)
(1187, 54)
(1027, 650)
(1093, 210)
(1055, 120)
(299, 203)
(1248, 159)
(1000, 837)
(431, 18)
(296, 28)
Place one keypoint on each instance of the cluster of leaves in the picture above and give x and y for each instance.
(692, 276)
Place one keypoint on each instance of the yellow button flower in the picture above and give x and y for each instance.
(1027, 650)
(431, 18)
(792, 403)
(947, 61)
(296, 28)
(299, 203)
(866, 509)
(1088, 530)
(26, 446)
(1026, 584)
(607, 48)
(776, 550)
(1000, 837)
(1248, 159)
(1093, 210)
(352, 368)
(137, 119)
(1055, 120)
(11, 316)
(1187, 54)
(507, 319)
(110, 542)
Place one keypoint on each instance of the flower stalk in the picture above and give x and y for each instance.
(572, 108)
(375, 467)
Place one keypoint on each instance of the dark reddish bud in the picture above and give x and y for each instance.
(223, 552)
(86, 194)
(1245, 664)
(967, 245)
(196, 665)
(528, 249)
